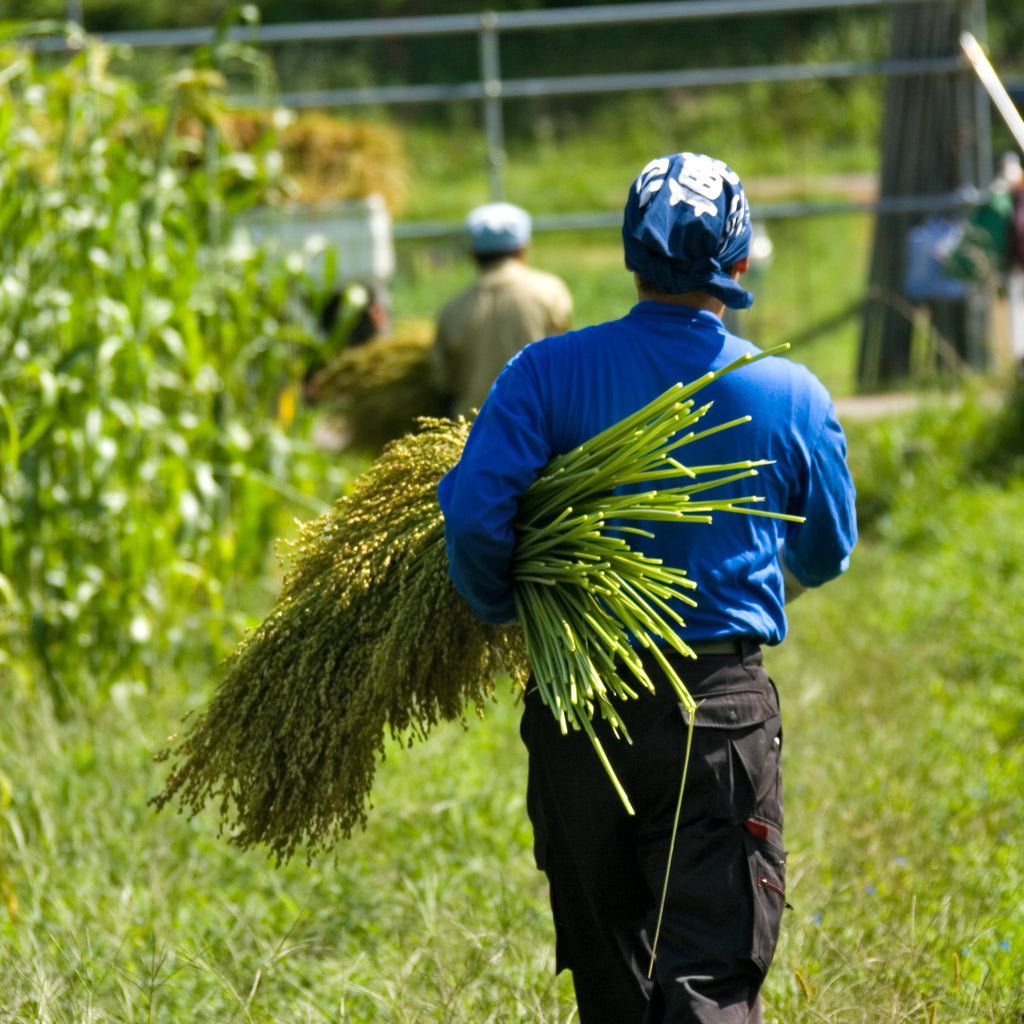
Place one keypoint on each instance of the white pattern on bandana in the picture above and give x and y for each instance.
(700, 183)
(650, 179)
(739, 213)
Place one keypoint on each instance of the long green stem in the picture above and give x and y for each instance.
(672, 844)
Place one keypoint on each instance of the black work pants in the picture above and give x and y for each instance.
(606, 868)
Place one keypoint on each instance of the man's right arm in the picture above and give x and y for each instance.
(504, 454)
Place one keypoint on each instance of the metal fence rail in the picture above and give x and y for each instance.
(450, 24)
(569, 85)
(491, 90)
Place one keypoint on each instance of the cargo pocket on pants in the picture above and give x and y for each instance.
(734, 769)
(767, 863)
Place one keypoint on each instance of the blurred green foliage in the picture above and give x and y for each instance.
(949, 446)
(585, 49)
(148, 414)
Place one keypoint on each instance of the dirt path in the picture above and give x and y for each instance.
(867, 407)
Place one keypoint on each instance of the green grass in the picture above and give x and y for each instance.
(565, 157)
(903, 786)
(903, 765)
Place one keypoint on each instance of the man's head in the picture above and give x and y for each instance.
(686, 226)
(496, 230)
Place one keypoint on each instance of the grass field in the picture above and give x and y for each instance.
(903, 769)
(900, 686)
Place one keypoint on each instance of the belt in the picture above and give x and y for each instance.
(735, 645)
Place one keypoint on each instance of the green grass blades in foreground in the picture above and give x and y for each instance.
(435, 913)
(903, 710)
(903, 779)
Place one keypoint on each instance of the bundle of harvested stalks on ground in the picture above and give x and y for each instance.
(368, 637)
(380, 388)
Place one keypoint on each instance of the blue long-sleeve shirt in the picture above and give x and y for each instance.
(562, 390)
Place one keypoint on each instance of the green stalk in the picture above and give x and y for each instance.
(672, 842)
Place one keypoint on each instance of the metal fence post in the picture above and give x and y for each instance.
(976, 21)
(490, 74)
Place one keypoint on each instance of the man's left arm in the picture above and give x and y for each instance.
(818, 549)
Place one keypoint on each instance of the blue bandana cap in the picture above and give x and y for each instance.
(498, 227)
(686, 222)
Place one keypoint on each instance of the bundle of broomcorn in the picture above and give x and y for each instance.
(380, 388)
(369, 636)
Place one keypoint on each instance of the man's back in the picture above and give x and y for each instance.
(567, 389)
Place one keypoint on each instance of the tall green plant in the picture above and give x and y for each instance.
(142, 441)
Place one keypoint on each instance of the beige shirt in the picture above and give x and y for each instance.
(478, 331)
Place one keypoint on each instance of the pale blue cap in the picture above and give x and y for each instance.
(498, 227)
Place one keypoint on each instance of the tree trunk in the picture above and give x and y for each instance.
(928, 149)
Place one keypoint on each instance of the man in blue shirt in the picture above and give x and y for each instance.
(686, 236)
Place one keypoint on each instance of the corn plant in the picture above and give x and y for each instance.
(147, 426)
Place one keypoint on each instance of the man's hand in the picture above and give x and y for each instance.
(793, 588)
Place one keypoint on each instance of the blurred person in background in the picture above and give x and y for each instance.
(990, 252)
(1014, 175)
(686, 235)
(509, 305)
